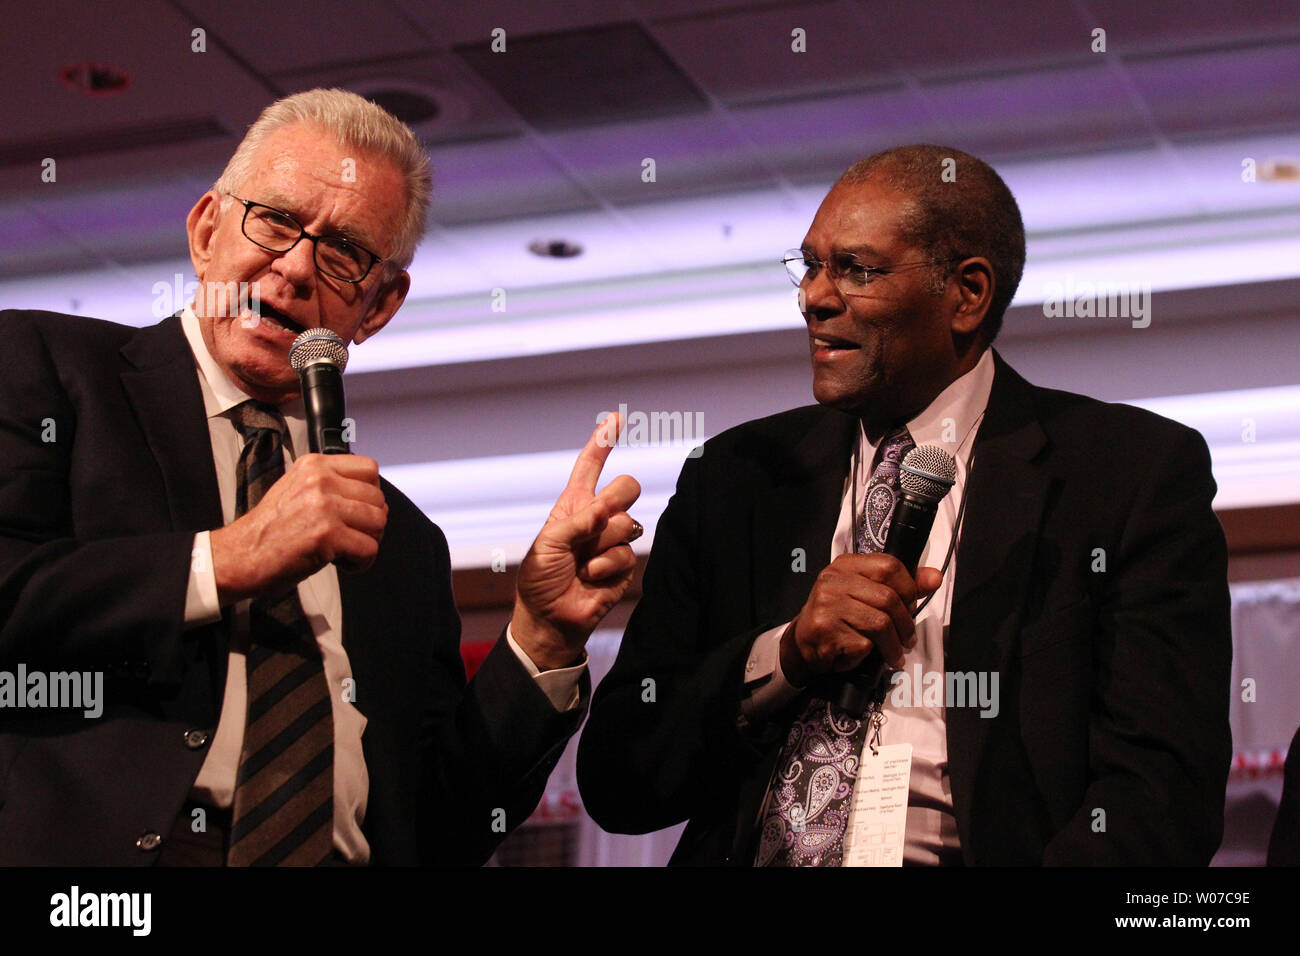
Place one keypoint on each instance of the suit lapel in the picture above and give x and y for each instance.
(163, 389)
(1008, 492)
(795, 503)
(799, 511)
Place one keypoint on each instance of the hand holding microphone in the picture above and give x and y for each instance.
(319, 357)
(861, 606)
(327, 507)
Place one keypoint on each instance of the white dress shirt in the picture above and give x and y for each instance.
(950, 422)
(321, 603)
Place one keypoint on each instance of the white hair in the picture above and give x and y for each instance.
(356, 123)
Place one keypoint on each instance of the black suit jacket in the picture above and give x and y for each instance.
(1113, 684)
(106, 473)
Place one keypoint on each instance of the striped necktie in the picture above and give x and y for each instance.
(811, 794)
(284, 792)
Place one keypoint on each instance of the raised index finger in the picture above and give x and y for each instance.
(586, 470)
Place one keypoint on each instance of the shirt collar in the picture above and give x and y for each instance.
(220, 394)
(949, 419)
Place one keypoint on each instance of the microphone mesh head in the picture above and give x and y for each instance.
(315, 344)
(928, 472)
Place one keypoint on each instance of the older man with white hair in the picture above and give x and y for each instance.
(263, 707)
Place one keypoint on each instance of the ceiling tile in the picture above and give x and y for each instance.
(815, 140)
(176, 114)
(1198, 93)
(963, 38)
(1066, 110)
(148, 40)
(692, 154)
(449, 23)
(745, 56)
(29, 245)
(667, 9)
(496, 179)
(121, 225)
(1162, 25)
(300, 34)
(611, 73)
(467, 107)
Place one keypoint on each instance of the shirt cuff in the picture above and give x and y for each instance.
(766, 687)
(559, 685)
(201, 605)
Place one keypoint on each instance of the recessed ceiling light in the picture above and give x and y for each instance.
(554, 248)
(430, 109)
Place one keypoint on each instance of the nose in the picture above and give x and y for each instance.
(298, 265)
(821, 300)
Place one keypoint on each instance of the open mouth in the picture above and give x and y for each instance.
(275, 319)
(829, 343)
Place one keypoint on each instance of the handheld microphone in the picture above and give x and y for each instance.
(924, 477)
(319, 357)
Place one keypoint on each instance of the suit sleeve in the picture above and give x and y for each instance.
(663, 729)
(489, 746)
(65, 601)
(1158, 736)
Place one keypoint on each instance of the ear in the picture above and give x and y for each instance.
(974, 294)
(388, 300)
(201, 226)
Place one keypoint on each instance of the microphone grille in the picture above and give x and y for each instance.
(928, 472)
(316, 344)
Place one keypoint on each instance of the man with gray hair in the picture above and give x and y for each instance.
(284, 682)
(1075, 572)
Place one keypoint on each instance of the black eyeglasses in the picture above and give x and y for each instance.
(277, 231)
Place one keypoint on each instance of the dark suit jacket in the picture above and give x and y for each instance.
(1113, 684)
(96, 529)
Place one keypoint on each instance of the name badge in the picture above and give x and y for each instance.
(878, 822)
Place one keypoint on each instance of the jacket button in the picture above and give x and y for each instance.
(148, 842)
(194, 739)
